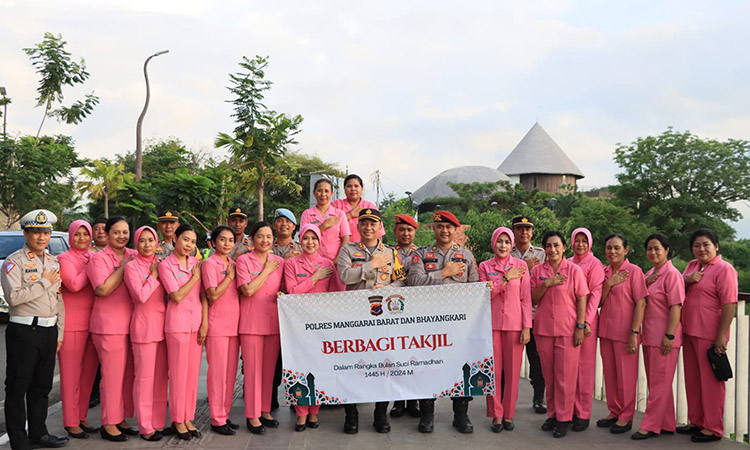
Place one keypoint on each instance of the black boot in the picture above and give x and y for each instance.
(412, 407)
(460, 415)
(351, 421)
(538, 402)
(426, 415)
(399, 407)
(380, 421)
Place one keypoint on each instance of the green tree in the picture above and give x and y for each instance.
(262, 136)
(36, 173)
(57, 69)
(679, 182)
(104, 180)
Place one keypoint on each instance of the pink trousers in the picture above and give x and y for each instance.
(117, 376)
(78, 363)
(259, 354)
(150, 387)
(222, 353)
(507, 353)
(559, 358)
(302, 411)
(620, 378)
(660, 370)
(586, 375)
(184, 356)
(705, 394)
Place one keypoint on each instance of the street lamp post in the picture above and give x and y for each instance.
(3, 92)
(138, 147)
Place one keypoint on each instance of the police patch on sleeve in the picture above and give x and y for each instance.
(9, 266)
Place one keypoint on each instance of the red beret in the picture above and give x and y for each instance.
(407, 219)
(445, 216)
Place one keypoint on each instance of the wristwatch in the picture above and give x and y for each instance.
(506, 279)
(581, 326)
(669, 336)
(635, 331)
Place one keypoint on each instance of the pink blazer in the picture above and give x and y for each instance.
(343, 205)
(557, 311)
(78, 295)
(616, 315)
(111, 314)
(149, 300)
(298, 272)
(259, 313)
(330, 240)
(224, 313)
(668, 290)
(185, 316)
(511, 304)
(593, 270)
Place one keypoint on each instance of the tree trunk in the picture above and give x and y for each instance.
(46, 110)
(106, 205)
(261, 184)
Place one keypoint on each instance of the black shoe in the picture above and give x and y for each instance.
(89, 429)
(94, 400)
(232, 425)
(381, 425)
(49, 440)
(496, 427)
(112, 437)
(561, 429)
(351, 420)
(195, 433)
(128, 431)
(155, 436)
(224, 430)
(606, 423)
(619, 429)
(700, 437)
(539, 407)
(412, 407)
(186, 436)
(688, 429)
(549, 424)
(398, 409)
(260, 429)
(311, 424)
(580, 424)
(81, 435)
(638, 436)
(461, 416)
(168, 431)
(508, 425)
(426, 416)
(667, 432)
(270, 423)
(300, 427)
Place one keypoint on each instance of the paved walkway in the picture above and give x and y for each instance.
(526, 434)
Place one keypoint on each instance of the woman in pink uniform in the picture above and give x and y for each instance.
(147, 336)
(710, 304)
(334, 228)
(593, 270)
(662, 337)
(78, 360)
(180, 274)
(559, 290)
(110, 329)
(353, 203)
(308, 273)
(223, 342)
(260, 276)
(511, 323)
(622, 306)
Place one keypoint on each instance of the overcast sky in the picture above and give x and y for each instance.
(407, 88)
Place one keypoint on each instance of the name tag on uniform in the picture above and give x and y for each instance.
(181, 274)
(302, 275)
(493, 273)
(542, 278)
(254, 273)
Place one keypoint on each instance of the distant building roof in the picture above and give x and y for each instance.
(538, 153)
(438, 185)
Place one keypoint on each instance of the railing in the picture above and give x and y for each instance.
(736, 416)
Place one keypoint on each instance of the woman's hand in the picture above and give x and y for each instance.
(197, 270)
(231, 271)
(633, 343)
(587, 330)
(618, 278)
(525, 336)
(666, 345)
(270, 265)
(202, 333)
(555, 280)
(578, 337)
(516, 272)
(694, 277)
(321, 274)
(329, 222)
(651, 278)
(491, 285)
(154, 269)
(720, 345)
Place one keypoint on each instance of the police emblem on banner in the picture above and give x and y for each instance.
(395, 303)
(376, 305)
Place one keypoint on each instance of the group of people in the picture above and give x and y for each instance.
(144, 315)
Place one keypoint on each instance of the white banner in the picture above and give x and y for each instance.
(387, 344)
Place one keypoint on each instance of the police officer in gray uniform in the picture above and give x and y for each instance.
(443, 262)
(367, 264)
(30, 279)
(284, 224)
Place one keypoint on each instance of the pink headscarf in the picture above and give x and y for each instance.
(587, 233)
(138, 236)
(308, 260)
(309, 227)
(72, 229)
(496, 234)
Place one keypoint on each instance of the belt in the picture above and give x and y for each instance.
(34, 321)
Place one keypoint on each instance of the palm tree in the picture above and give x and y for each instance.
(105, 179)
